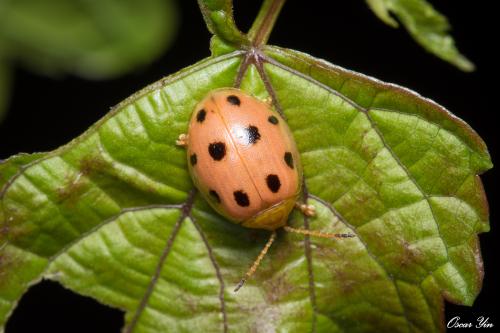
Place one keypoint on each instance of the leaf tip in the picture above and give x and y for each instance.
(465, 64)
(382, 12)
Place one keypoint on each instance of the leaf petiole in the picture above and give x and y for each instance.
(264, 23)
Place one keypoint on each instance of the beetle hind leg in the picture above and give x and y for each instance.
(307, 210)
(310, 210)
(183, 140)
(316, 233)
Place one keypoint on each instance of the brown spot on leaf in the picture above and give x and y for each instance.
(75, 184)
(8, 264)
(410, 255)
(278, 288)
(14, 225)
(70, 192)
(190, 302)
(91, 164)
(346, 283)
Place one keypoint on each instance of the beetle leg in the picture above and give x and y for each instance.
(307, 210)
(257, 261)
(182, 140)
(269, 101)
(316, 233)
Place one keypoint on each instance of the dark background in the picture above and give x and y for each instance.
(46, 113)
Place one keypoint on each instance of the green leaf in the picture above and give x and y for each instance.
(113, 214)
(14, 164)
(93, 39)
(218, 47)
(426, 25)
(5, 79)
(218, 15)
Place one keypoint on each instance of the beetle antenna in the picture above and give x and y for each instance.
(257, 261)
(316, 233)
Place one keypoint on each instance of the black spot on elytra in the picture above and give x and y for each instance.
(273, 120)
(193, 159)
(252, 134)
(289, 159)
(241, 198)
(233, 100)
(200, 116)
(217, 150)
(273, 182)
(214, 195)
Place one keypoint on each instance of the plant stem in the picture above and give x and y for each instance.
(264, 23)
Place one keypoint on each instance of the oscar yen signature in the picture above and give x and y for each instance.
(481, 322)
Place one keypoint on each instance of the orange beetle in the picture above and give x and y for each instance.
(243, 159)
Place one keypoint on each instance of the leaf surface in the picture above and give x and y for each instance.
(425, 24)
(12, 165)
(113, 214)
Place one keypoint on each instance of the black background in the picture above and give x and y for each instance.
(46, 113)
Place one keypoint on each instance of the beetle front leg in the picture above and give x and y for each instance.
(182, 140)
(269, 101)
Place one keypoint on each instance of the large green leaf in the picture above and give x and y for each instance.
(114, 215)
(110, 215)
(93, 39)
(426, 25)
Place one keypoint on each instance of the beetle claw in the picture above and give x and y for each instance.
(182, 140)
(269, 101)
(307, 210)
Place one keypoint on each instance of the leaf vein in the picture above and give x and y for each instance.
(135, 177)
(308, 254)
(368, 251)
(186, 210)
(217, 273)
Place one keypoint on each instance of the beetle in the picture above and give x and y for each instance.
(243, 159)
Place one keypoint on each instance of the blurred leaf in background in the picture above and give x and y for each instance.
(91, 39)
(426, 25)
